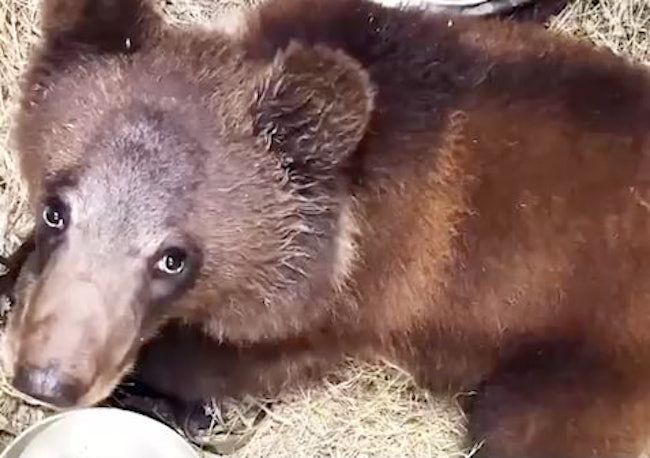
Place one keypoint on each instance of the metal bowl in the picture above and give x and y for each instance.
(99, 432)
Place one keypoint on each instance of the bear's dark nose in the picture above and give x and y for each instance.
(48, 385)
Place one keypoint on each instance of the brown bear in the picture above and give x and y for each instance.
(221, 214)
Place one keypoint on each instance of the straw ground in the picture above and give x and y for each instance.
(361, 411)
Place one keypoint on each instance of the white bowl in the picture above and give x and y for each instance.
(99, 432)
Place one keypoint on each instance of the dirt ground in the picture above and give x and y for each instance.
(363, 410)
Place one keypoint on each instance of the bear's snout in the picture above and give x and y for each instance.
(49, 385)
(76, 330)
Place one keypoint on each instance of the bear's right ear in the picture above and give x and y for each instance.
(105, 25)
(313, 108)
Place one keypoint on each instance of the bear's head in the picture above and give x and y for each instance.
(171, 177)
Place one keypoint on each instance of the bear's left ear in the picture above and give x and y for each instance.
(312, 108)
(104, 25)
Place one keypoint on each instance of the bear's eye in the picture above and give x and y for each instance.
(172, 262)
(54, 215)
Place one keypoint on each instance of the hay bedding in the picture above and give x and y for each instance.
(363, 410)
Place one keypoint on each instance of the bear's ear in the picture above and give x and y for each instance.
(312, 108)
(105, 25)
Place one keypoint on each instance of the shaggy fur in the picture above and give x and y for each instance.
(467, 198)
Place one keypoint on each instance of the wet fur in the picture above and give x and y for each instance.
(489, 232)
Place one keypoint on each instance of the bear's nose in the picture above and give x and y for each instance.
(48, 385)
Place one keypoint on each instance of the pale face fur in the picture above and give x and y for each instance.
(179, 146)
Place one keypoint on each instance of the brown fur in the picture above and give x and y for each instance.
(467, 198)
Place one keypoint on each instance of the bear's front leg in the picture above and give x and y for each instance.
(182, 370)
(560, 401)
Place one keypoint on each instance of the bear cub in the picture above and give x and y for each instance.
(221, 213)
